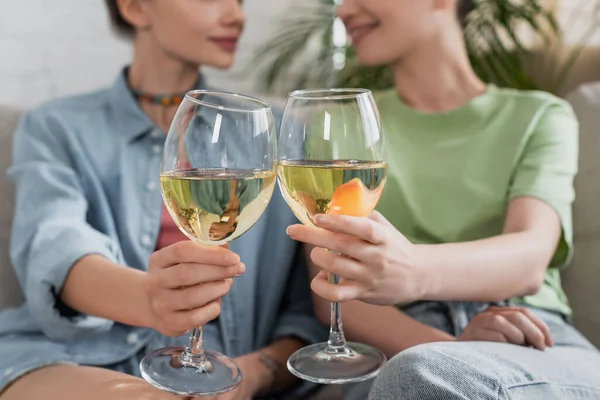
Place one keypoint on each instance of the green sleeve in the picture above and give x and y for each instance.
(548, 167)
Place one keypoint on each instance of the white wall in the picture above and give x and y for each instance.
(52, 48)
(577, 17)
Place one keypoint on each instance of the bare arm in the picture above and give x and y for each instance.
(99, 287)
(387, 328)
(382, 267)
(265, 371)
(509, 265)
(181, 290)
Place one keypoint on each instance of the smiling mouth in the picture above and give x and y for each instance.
(359, 32)
(228, 44)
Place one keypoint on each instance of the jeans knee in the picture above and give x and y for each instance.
(434, 371)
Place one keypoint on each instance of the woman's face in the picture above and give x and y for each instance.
(385, 31)
(203, 32)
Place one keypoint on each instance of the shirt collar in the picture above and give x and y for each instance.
(131, 120)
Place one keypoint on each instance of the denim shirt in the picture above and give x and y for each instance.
(87, 175)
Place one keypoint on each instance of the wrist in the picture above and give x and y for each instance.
(428, 280)
(146, 315)
(257, 378)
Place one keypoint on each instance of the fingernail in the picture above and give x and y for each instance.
(291, 230)
(242, 270)
(321, 219)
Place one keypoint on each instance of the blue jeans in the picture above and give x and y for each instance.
(485, 370)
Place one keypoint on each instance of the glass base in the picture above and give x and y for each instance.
(321, 363)
(165, 370)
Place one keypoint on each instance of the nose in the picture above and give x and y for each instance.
(235, 14)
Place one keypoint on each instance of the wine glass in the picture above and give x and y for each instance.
(217, 178)
(332, 160)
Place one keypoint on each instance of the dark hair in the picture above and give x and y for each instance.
(116, 19)
(464, 8)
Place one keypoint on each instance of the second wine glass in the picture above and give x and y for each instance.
(332, 160)
(217, 178)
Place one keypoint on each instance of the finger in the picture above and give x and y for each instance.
(499, 323)
(533, 335)
(350, 246)
(339, 293)
(489, 335)
(190, 319)
(190, 252)
(345, 267)
(360, 227)
(189, 274)
(197, 296)
(380, 219)
(540, 324)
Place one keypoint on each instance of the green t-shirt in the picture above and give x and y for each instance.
(452, 175)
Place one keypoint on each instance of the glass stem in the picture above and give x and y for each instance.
(336, 341)
(193, 355)
(196, 345)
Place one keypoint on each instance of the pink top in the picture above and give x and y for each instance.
(169, 232)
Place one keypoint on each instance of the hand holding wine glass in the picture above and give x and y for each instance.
(379, 266)
(185, 284)
(217, 178)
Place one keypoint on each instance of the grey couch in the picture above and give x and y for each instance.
(10, 292)
(582, 279)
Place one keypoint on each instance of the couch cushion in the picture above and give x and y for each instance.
(582, 278)
(10, 291)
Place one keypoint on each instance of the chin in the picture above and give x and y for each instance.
(223, 65)
(216, 61)
(370, 57)
(372, 60)
(220, 61)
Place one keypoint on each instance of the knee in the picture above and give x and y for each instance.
(434, 371)
(134, 389)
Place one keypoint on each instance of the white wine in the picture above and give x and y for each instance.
(216, 206)
(331, 187)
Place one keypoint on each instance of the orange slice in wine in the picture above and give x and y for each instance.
(353, 198)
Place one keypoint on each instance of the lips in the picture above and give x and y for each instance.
(358, 32)
(228, 44)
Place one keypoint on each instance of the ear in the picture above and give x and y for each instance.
(133, 12)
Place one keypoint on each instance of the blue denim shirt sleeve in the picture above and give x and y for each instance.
(50, 233)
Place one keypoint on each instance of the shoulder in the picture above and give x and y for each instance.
(532, 104)
(56, 119)
(532, 118)
(72, 107)
(552, 129)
